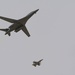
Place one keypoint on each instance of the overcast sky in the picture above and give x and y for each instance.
(52, 31)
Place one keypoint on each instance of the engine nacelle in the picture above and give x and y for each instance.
(18, 29)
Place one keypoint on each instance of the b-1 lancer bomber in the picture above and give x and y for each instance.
(18, 24)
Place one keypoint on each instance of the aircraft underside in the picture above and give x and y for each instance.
(18, 24)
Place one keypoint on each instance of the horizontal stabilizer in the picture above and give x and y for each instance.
(8, 19)
(4, 30)
(9, 34)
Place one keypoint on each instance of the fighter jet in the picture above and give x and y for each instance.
(18, 24)
(35, 63)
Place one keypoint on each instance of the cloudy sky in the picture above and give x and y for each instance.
(52, 38)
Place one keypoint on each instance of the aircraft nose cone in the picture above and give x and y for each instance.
(36, 10)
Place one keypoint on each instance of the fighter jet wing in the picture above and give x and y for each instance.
(24, 29)
(8, 19)
(39, 64)
(34, 62)
(34, 65)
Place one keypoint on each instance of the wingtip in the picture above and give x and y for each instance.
(28, 35)
(36, 10)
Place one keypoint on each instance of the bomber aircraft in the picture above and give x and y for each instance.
(18, 24)
(35, 63)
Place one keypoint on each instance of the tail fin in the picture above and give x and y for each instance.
(5, 30)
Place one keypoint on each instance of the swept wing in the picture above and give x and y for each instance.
(8, 19)
(24, 29)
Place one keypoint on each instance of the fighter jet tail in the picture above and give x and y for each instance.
(5, 30)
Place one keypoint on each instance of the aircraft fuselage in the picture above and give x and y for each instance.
(15, 26)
